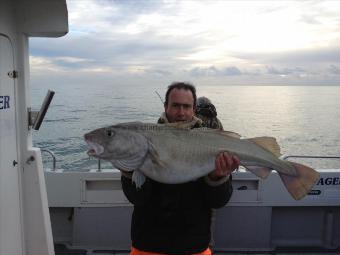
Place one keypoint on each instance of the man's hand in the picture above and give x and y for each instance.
(225, 164)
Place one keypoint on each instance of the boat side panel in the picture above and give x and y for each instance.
(261, 216)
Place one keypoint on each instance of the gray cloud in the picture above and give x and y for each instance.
(105, 42)
(159, 72)
(310, 19)
(213, 71)
(324, 55)
(284, 71)
(125, 41)
(272, 9)
(125, 51)
(334, 70)
(314, 56)
(232, 70)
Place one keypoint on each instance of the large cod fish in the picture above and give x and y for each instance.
(169, 154)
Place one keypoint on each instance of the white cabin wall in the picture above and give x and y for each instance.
(35, 215)
(45, 19)
(11, 227)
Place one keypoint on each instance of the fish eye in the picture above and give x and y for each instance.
(110, 132)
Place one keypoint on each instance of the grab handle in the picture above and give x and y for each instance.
(44, 107)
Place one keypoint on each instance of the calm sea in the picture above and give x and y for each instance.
(305, 120)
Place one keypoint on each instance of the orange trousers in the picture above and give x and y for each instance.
(135, 251)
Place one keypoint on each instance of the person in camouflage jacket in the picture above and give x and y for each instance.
(206, 111)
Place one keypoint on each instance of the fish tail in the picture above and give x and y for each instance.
(299, 185)
(259, 171)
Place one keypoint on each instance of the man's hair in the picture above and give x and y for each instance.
(181, 85)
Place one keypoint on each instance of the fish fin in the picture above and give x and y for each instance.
(128, 124)
(154, 156)
(119, 164)
(259, 171)
(127, 165)
(138, 178)
(221, 132)
(229, 133)
(181, 124)
(298, 186)
(268, 143)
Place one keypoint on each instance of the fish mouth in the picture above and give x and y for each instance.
(95, 149)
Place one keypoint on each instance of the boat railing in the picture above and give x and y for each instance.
(53, 157)
(99, 166)
(55, 160)
(309, 156)
(284, 157)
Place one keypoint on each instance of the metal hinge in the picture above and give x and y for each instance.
(13, 74)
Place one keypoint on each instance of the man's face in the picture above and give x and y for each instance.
(180, 105)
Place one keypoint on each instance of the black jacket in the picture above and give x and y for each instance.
(173, 218)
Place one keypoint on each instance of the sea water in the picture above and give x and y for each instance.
(304, 119)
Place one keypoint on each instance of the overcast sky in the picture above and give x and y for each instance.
(205, 42)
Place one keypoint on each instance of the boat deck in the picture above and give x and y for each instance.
(61, 249)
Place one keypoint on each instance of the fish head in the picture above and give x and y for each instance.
(113, 143)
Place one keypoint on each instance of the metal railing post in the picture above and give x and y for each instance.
(99, 166)
(301, 156)
(53, 156)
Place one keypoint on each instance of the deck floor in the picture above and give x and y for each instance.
(61, 249)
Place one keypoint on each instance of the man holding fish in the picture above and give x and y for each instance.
(180, 171)
(175, 218)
